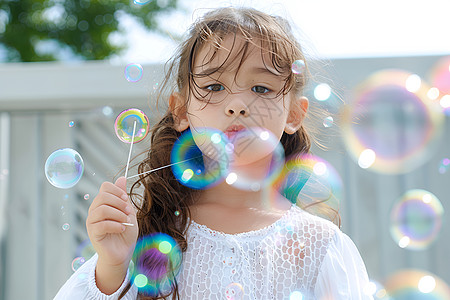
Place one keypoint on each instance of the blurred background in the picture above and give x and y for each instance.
(381, 71)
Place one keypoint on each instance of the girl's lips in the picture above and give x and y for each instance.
(233, 130)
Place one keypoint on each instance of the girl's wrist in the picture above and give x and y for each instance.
(109, 278)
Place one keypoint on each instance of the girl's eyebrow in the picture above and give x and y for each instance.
(254, 70)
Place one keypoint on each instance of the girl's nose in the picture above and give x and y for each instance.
(236, 108)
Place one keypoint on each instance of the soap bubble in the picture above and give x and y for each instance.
(189, 157)
(252, 145)
(142, 2)
(400, 126)
(64, 168)
(133, 72)
(77, 263)
(440, 75)
(157, 261)
(66, 226)
(124, 125)
(444, 165)
(416, 219)
(313, 184)
(298, 66)
(416, 284)
(328, 122)
(234, 291)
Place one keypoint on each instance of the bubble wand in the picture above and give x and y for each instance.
(128, 162)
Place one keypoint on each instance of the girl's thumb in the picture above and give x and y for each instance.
(122, 183)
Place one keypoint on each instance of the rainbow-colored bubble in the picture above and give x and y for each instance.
(416, 284)
(392, 116)
(298, 66)
(133, 71)
(77, 263)
(234, 291)
(64, 168)
(440, 75)
(157, 261)
(202, 163)
(252, 145)
(416, 219)
(313, 184)
(124, 125)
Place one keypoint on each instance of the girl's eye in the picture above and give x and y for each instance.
(215, 87)
(260, 89)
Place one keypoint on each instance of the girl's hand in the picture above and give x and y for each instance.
(113, 241)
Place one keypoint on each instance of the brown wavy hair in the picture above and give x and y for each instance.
(162, 194)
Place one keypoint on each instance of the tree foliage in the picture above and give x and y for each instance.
(29, 28)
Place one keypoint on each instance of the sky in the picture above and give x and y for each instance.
(326, 28)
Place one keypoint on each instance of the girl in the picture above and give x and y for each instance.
(233, 73)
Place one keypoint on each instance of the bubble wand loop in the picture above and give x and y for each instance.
(128, 162)
(131, 147)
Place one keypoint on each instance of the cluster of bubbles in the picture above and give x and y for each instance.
(416, 284)
(392, 126)
(416, 219)
(157, 261)
(124, 125)
(64, 168)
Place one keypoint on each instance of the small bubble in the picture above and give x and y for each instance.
(66, 226)
(328, 122)
(133, 72)
(177, 213)
(86, 197)
(298, 66)
(71, 123)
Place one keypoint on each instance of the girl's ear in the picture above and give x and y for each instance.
(297, 113)
(178, 109)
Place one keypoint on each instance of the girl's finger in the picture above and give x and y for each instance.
(106, 212)
(111, 200)
(107, 226)
(111, 188)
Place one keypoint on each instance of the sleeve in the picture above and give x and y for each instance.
(342, 274)
(81, 285)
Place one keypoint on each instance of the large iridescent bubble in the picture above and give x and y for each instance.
(157, 261)
(393, 118)
(313, 184)
(249, 147)
(64, 168)
(203, 162)
(440, 75)
(416, 219)
(413, 284)
(124, 125)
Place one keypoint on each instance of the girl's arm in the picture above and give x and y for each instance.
(113, 242)
(343, 274)
(82, 285)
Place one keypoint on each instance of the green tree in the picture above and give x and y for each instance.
(81, 26)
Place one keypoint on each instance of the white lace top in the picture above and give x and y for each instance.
(300, 256)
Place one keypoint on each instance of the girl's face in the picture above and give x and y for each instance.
(244, 93)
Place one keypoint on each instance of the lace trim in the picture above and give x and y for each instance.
(253, 233)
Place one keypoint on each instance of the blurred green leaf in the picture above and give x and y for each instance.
(29, 28)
